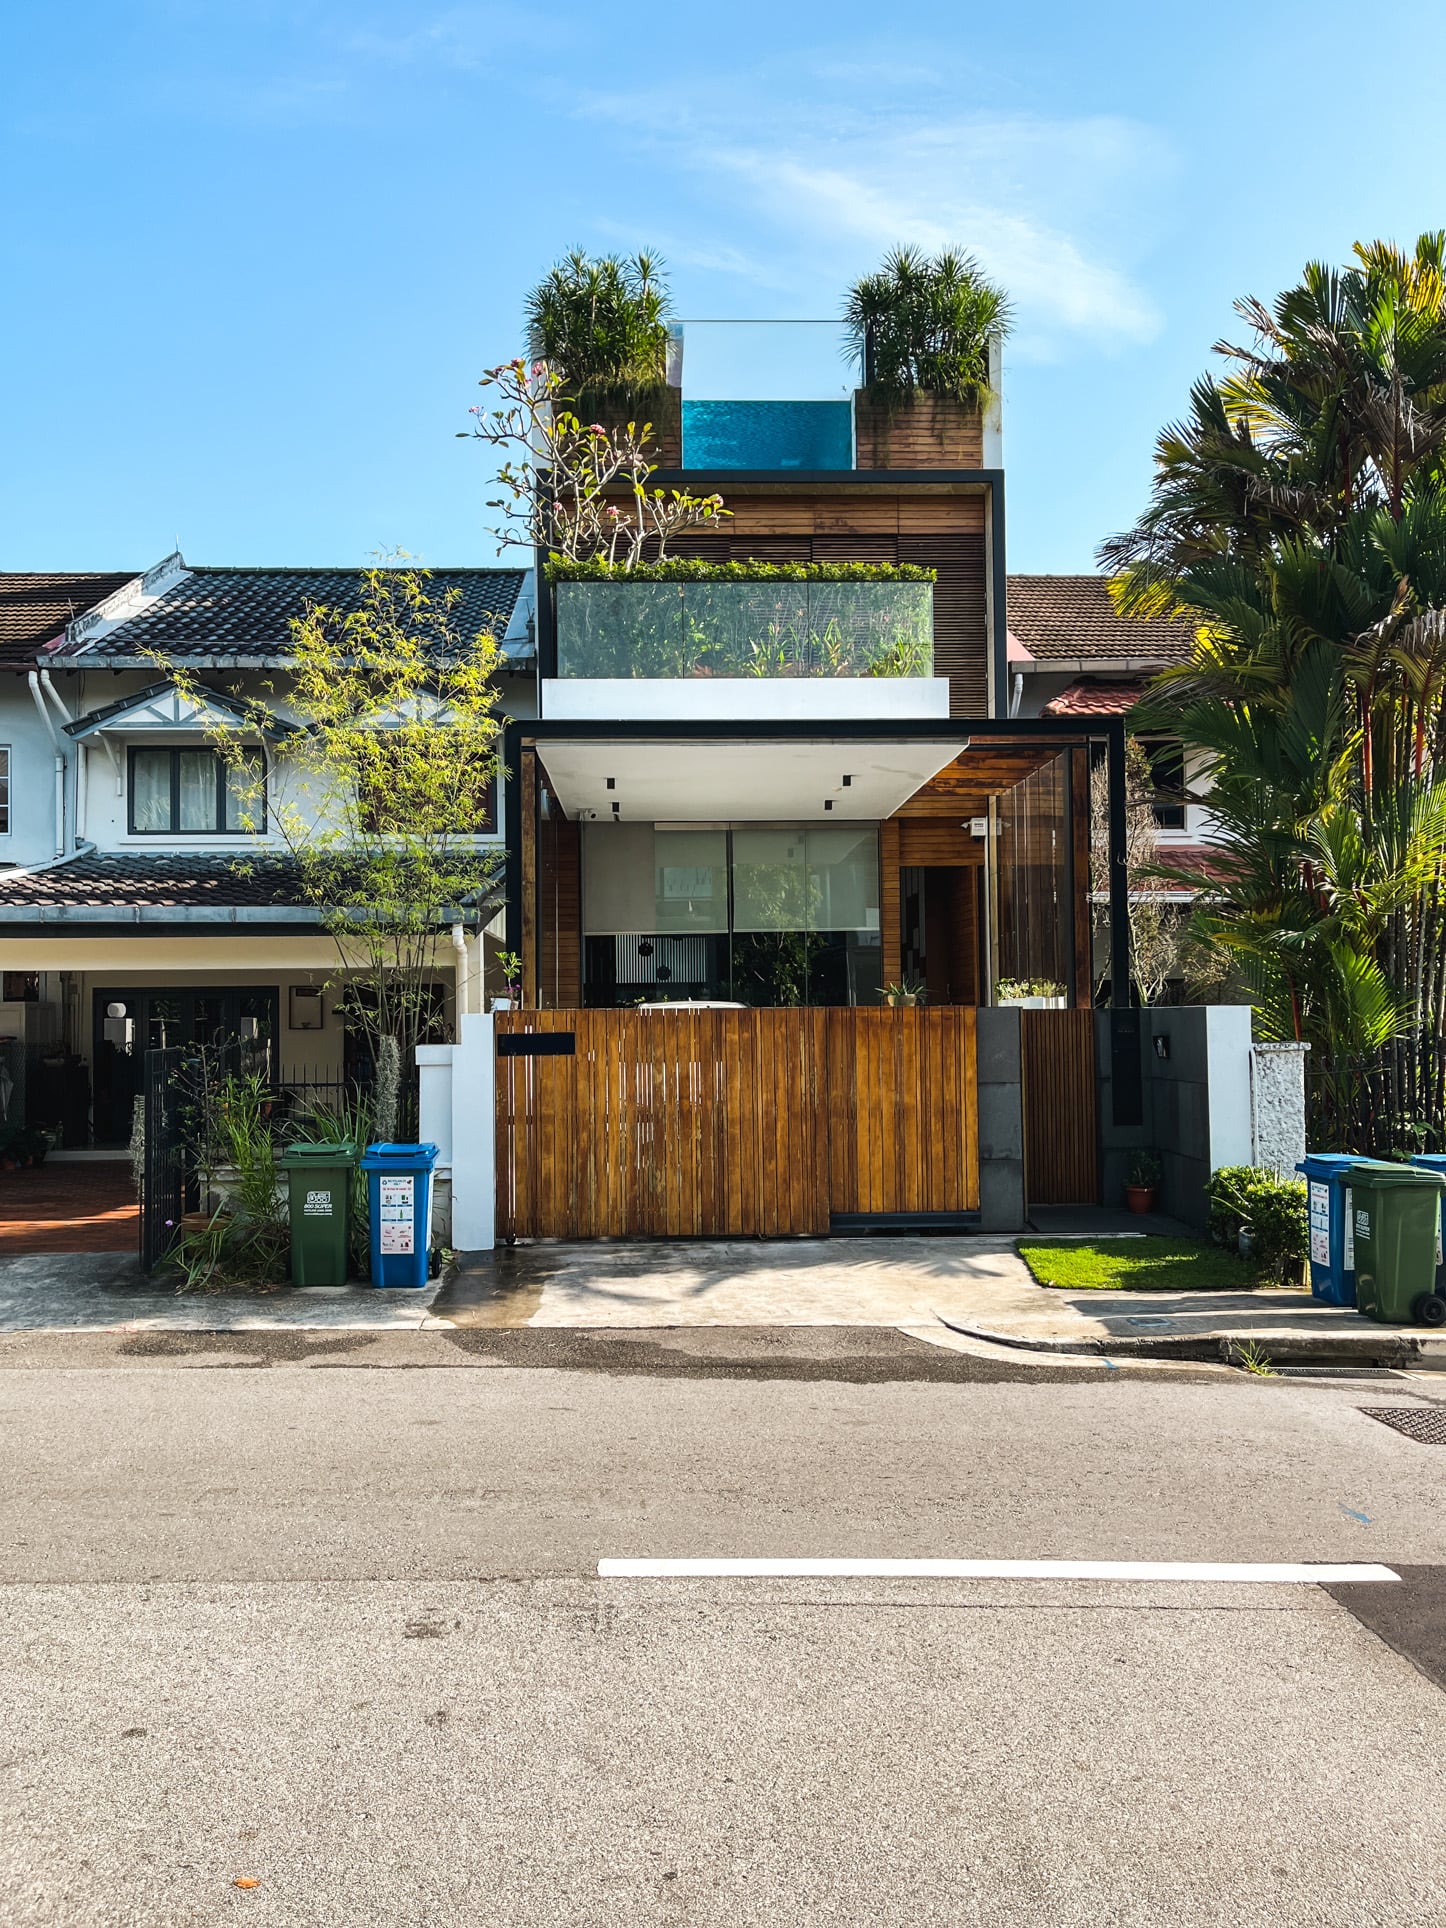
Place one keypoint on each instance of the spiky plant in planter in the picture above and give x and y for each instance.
(921, 329)
(603, 325)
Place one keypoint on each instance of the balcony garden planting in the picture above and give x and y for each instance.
(688, 618)
(921, 329)
(602, 324)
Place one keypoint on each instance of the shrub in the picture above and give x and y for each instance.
(602, 323)
(918, 323)
(1274, 1209)
(700, 569)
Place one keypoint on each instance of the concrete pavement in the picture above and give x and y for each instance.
(976, 1287)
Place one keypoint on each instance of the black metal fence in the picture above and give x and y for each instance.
(168, 1095)
(180, 1085)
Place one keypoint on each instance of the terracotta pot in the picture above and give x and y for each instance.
(1140, 1198)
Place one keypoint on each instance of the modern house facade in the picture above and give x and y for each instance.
(772, 811)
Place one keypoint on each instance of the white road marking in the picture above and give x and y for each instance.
(1276, 1573)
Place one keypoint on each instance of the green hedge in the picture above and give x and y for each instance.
(698, 569)
(1273, 1208)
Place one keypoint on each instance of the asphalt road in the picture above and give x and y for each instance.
(325, 1616)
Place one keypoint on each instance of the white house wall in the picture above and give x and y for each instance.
(102, 796)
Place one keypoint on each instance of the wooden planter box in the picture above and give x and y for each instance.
(662, 406)
(927, 432)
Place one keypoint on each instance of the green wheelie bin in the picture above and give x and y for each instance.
(319, 1178)
(1397, 1209)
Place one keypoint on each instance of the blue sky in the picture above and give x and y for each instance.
(257, 254)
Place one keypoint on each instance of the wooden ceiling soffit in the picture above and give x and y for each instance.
(978, 775)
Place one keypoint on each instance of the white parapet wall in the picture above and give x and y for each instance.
(459, 1116)
(735, 699)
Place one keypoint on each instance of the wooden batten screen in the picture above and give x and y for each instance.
(757, 1123)
(1061, 1164)
(903, 1111)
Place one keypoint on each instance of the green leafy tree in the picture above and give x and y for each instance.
(380, 793)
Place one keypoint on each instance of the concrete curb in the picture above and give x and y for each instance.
(1393, 1348)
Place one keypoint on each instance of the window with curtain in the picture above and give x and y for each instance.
(195, 792)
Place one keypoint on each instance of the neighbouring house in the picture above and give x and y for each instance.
(1072, 655)
(126, 919)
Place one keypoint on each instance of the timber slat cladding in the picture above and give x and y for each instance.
(688, 1124)
(1060, 1156)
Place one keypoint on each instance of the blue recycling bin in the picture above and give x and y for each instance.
(399, 1191)
(1435, 1161)
(1332, 1236)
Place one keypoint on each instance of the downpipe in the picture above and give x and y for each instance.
(464, 972)
(33, 678)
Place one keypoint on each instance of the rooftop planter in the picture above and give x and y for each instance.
(603, 325)
(922, 330)
(688, 618)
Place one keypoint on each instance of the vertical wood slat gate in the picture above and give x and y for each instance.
(764, 1123)
(1061, 1164)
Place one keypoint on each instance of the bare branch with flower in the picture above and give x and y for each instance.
(578, 490)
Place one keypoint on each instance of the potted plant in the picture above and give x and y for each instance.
(922, 330)
(907, 992)
(1030, 993)
(1144, 1185)
(510, 965)
(602, 324)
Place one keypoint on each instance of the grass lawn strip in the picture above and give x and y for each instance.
(1136, 1265)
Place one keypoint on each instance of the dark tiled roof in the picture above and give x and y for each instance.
(1094, 699)
(246, 612)
(34, 609)
(1073, 617)
(165, 879)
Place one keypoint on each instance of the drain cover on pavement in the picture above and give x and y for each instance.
(1426, 1424)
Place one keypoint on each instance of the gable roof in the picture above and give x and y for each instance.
(161, 706)
(233, 616)
(1060, 620)
(36, 606)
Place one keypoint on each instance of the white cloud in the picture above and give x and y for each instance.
(1050, 208)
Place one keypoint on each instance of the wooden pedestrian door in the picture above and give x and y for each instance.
(732, 1123)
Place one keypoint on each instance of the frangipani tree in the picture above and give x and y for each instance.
(579, 491)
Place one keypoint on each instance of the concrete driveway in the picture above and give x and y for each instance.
(746, 1282)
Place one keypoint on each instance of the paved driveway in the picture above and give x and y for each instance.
(751, 1282)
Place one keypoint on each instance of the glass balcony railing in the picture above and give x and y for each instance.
(687, 629)
(765, 394)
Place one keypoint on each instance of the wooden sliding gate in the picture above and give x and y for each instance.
(697, 1124)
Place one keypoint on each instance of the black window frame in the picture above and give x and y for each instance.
(1168, 801)
(175, 752)
(4, 789)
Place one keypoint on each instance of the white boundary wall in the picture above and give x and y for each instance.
(459, 1116)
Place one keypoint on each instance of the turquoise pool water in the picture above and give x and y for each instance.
(768, 435)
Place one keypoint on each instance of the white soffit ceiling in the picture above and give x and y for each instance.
(711, 782)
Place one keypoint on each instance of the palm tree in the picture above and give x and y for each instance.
(1299, 518)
